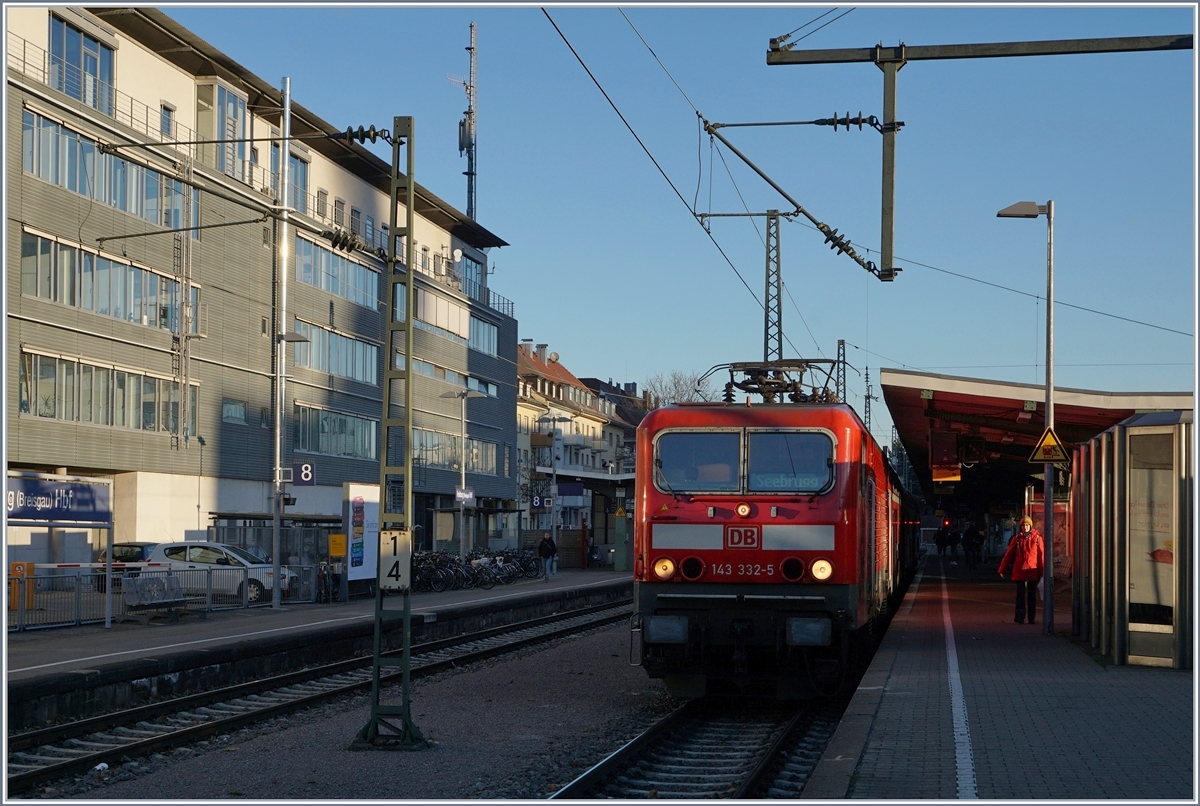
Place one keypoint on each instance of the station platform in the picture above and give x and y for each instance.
(960, 702)
(42, 662)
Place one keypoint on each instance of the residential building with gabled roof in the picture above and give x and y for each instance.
(568, 432)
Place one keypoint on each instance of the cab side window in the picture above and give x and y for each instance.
(178, 553)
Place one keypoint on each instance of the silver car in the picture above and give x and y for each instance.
(231, 567)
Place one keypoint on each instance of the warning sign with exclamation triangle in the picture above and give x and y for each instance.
(1049, 449)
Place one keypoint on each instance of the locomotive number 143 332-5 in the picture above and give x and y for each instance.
(743, 570)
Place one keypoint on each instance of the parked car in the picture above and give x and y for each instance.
(232, 567)
(123, 553)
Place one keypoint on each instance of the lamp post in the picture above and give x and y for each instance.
(281, 334)
(1033, 210)
(200, 440)
(462, 464)
(554, 421)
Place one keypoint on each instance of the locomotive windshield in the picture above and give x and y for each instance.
(800, 462)
(775, 462)
(708, 461)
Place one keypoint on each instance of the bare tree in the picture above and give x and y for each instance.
(679, 387)
(529, 481)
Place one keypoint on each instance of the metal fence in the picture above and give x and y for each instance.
(64, 600)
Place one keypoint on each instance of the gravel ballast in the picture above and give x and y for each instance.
(516, 727)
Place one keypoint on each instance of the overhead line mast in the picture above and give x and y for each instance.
(890, 60)
(466, 128)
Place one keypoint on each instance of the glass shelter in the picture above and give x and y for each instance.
(1133, 533)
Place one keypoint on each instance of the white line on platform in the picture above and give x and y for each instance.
(189, 643)
(415, 611)
(964, 759)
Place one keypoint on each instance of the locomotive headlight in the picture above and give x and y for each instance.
(743, 510)
(821, 570)
(664, 568)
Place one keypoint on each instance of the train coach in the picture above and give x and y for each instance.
(771, 539)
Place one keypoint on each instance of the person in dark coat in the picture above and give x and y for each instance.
(942, 539)
(547, 550)
(1026, 557)
(955, 537)
(972, 542)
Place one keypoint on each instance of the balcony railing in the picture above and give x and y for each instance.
(37, 64)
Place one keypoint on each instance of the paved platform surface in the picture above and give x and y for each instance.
(37, 653)
(961, 702)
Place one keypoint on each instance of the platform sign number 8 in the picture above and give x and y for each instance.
(304, 474)
(395, 559)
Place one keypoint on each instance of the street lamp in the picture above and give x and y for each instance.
(554, 470)
(1033, 210)
(200, 440)
(462, 464)
(281, 341)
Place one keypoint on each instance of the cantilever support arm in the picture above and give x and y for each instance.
(838, 242)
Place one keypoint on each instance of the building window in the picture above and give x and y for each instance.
(233, 411)
(298, 182)
(339, 212)
(80, 66)
(221, 117)
(71, 276)
(472, 270)
(369, 232)
(275, 167)
(166, 123)
(60, 156)
(484, 336)
(440, 450)
(355, 220)
(77, 391)
(333, 433)
(327, 351)
(322, 202)
(383, 237)
(443, 316)
(337, 274)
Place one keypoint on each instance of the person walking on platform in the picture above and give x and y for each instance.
(972, 541)
(942, 539)
(955, 537)
(547, 550)
(1025, 557)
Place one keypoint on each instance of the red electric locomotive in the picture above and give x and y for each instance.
(770, 539)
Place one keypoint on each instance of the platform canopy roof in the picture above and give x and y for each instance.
(997, 426)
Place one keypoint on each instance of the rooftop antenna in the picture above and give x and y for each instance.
(466, 128)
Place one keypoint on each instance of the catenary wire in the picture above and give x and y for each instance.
(1029, 294)
(660, 64)
(648, 154)
(810, 22)
(814, 30)
(726, 257)
(728, 171)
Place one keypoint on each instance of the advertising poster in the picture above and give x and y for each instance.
(1151, 522)
(360, 521)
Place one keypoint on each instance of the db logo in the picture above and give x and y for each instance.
(742, 537)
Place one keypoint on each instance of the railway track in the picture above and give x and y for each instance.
(722, 749)
(44, 755)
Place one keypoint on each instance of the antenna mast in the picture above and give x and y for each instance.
(466, 130)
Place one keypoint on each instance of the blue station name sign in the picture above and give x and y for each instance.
(55, 500)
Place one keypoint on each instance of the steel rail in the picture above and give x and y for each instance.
(82, 762)
(694, 715)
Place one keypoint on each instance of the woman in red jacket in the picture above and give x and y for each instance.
(1025, 555)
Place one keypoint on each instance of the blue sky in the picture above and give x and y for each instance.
(610, 268)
